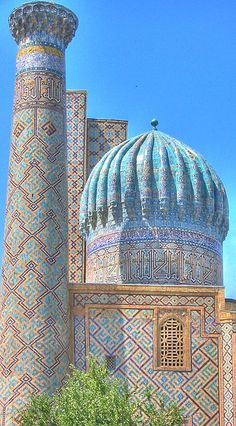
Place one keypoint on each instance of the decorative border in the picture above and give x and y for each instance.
(40, 58)
(76, 141)
(40, 49)
(42, 89)
(228, 374)
(165, 235)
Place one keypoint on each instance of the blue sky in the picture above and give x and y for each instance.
(174, 60)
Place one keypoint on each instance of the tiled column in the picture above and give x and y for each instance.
(34, 348)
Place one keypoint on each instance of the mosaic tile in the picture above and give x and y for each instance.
(35, 309)
(76, 102)
(128, 335)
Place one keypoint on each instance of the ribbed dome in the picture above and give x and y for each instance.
(159, 180)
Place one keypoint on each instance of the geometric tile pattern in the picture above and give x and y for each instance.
(34, 347)
(102, 136)
(128, 334)
(76, 153)
(206, 302)
(35, 304)
(79, 342)
(228, 376)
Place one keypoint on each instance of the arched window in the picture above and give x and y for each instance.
(171, 343)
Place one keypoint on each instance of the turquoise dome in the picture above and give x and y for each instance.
(158, 180)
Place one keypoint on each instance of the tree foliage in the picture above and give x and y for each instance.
(38, 412)
(162, 414)
(96, 399)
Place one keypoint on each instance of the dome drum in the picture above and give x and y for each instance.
(163, 256)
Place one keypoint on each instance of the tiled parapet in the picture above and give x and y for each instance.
(34, 344)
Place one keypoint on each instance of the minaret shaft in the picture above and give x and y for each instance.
(35, 329)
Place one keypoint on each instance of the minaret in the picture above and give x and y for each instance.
(34, 345)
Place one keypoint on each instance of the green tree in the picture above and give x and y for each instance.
(87, 399)
(38, 412)
(162, 414)
(95, 398)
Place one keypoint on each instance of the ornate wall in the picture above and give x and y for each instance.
(35, 337)
(122, 324)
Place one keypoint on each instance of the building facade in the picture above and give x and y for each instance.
(136, 281)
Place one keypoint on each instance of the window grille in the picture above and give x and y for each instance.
(171, 343)
(110, 362)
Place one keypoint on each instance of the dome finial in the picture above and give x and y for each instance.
(154, 123)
